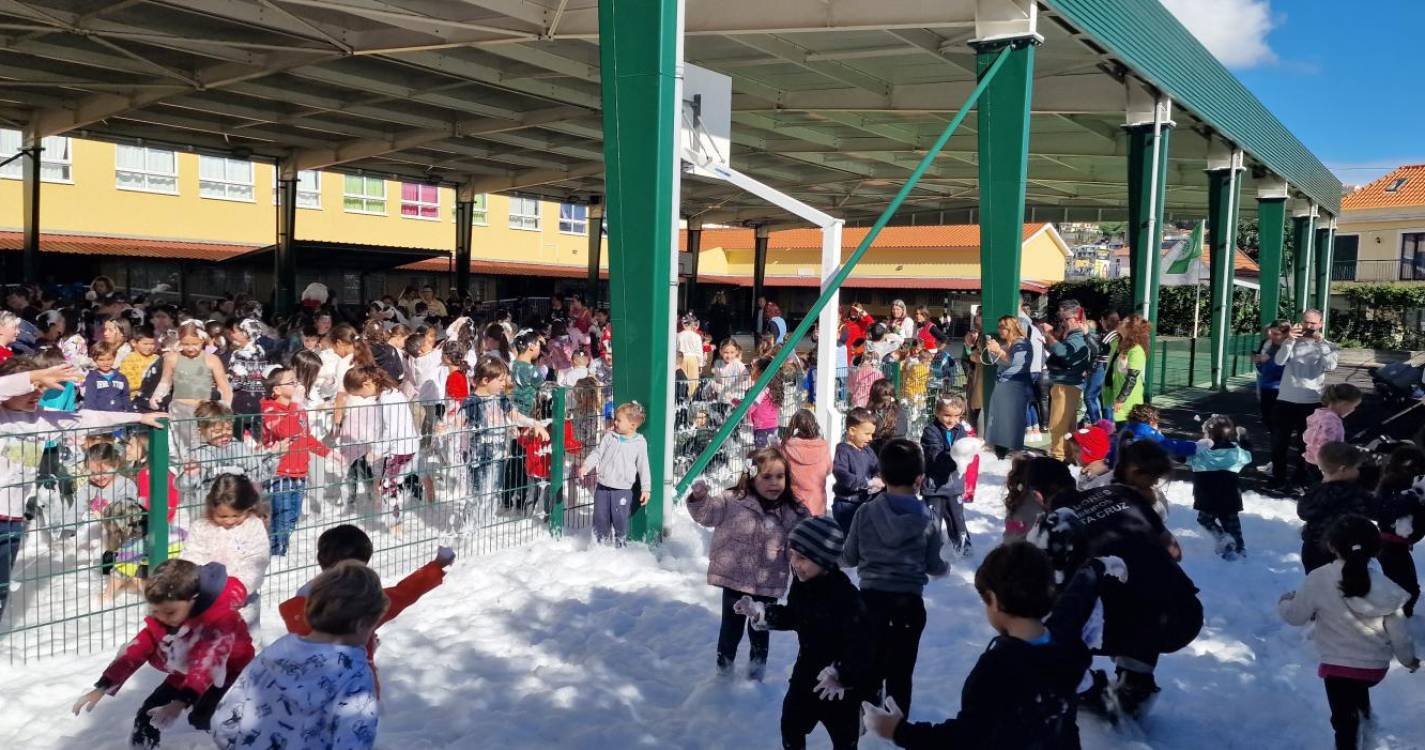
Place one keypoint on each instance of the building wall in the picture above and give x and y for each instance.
(1380, 240)
(91, 203)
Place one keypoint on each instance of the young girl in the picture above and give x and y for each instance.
(858, 384)
(1358, 624)
(246, 363)
(233, 532)
(578, 369)
(621, 458)
(890, 418)
(286, 429)
(1216, 496)
(952, 467)
(1401, 517)
(729, 376)
(191, 375)
(915, 371)
(810, 460)
(1327, 424)
(358, 424)
(757, 516)
(399, 442)
(766, 407)
(490, 415)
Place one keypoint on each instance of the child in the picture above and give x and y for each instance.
(1022, 691)
(1216, 496)
(357, 420)
(1358, 626)
(690, 345)
(895, 546)
(191, 374)
(1401, 516)
(826, 611)
(621, 458)
(219, 451)
(233, 533)
(890, 418)
(915, 372)
(313, 690)
(1088, 448)
(758, 516)
(400, 440)
(123, 525)
(1338, 495)
(105, 389)
(859, 383)
(952, 467)
(855, 468)
(767, 405)
(1327, 424)
(525, 376)
(246, 363)
(344, 544)
(284, 423)
(194, 634)
(490, 415)
(136, 455)
(1142, 424)
(810, 460)
(578, 369)
(729, 375)
(143, 354)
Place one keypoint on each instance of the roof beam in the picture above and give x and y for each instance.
(800, 57)
(1086, 94)
(465, 67)
(529, 178)
(729, 17)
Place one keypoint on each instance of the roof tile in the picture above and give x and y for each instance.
(1376, 195)
(74, 244)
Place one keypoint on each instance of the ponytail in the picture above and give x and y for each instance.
(1355, 540)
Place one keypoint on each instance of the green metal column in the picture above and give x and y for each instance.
(284, 256)
(1325, 257)
(1304, 237)
(1222, 197)
(595, 249)
(1147, 192)
(640, 44)
(1271, 223)
(1003, 137)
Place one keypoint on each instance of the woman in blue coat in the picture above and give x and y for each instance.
(1005, 419)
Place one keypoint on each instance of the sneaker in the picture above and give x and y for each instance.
(1136, 693)
(1097, 698)
(756, 670)
(724, 667)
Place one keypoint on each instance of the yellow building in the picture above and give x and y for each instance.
(1380, 235)
(110, 201)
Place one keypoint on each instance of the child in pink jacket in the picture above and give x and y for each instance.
(1327, 424)
(766, 407)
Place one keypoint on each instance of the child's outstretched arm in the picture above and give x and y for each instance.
(1401, 642)
(417, 584)
(706, 508)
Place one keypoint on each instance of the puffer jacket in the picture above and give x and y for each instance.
(1361, 632)
(1215, 470)
(749, 544)
(1322, 427)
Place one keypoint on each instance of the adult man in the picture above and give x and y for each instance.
(1068, 364)
(759, 318)
(1307, 356)
(434, 307)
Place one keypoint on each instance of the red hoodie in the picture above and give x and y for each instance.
(282, 422)
(209, 649)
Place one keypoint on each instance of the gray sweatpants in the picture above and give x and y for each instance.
(611, 511)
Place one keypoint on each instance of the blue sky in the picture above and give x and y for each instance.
(1345, 77)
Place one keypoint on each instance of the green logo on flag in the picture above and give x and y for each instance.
(1191, 252)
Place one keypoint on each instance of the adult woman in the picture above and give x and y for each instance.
(719, 318)
(1269, 373)
(972, 362)
(900, 323)
(927, 330)
(1130, 366)
(1004, 427)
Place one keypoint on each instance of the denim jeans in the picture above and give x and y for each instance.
(12, 533)
(1093, 394)
(285, 494)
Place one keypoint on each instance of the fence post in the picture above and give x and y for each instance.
(1192, 362)
(1163, 366)
(556, 463)
(158, 494)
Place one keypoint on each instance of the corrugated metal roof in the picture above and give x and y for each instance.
(869, 282)
(923, 236)
(1146, 36)
(509, 268)
(1409, 190)
(74, 244)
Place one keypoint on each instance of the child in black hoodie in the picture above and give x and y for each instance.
(1022, 692)
(1340, 494)
(825, 609)
(1401, 517)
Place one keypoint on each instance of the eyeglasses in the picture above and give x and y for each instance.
(286, 382)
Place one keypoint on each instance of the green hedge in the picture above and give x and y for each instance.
(1377, 316)
(1175, 304)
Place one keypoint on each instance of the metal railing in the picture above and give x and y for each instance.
(1404, 269)
(1184, 363)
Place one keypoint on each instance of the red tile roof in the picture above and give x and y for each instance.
(1376, 195)
(73, 244)
(868, 282)
(508, 268)
(944, 235)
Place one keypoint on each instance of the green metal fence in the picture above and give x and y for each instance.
(1183, 363)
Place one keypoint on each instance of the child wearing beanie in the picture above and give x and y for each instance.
(825, 609)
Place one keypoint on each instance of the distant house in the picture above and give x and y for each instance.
(1380, 235)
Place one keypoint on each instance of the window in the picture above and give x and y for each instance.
(151, 170)
(524, 213)
(364, 195)
(573, 218)
(1412, 256)
(1343, 257)
(420, 201)
(225, 179)
(55, 159)
(309, 189)
(1396, 184)
(479, 215)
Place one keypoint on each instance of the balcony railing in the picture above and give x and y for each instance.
(1379, 270)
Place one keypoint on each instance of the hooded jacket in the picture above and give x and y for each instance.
(810, 463)
(1214, 476)
(830, 620)
(1361, 632)
(749, 542)
(1328, 501)
(289, 421)
(1322, 427)
(894, 545)
(208, 650)
(952, 467)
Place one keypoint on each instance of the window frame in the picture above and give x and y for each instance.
(145, 172)
(418, 203)
(519, 221)
(227, 182)
(572, 222)
(315, 193)
(1416, 261)
(365, 198)
(15, 170)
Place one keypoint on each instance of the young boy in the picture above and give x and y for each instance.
(832, 668)
(285, 423)
(195, 634)
(105, 389)
(143, 352)
(1339, 494)
(1022, 691)
(895, 546)
(621, 458)
(1142, 424)
(855, 468)
(313, 690)
(344, 543)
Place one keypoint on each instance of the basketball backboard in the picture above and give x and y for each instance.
(706, 118)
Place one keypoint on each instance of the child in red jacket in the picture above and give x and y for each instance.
(285, 423)
(195, 634)
(346, 542)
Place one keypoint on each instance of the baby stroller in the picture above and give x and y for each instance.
(1399, 384)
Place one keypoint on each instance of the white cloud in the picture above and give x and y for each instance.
(1233, 30)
